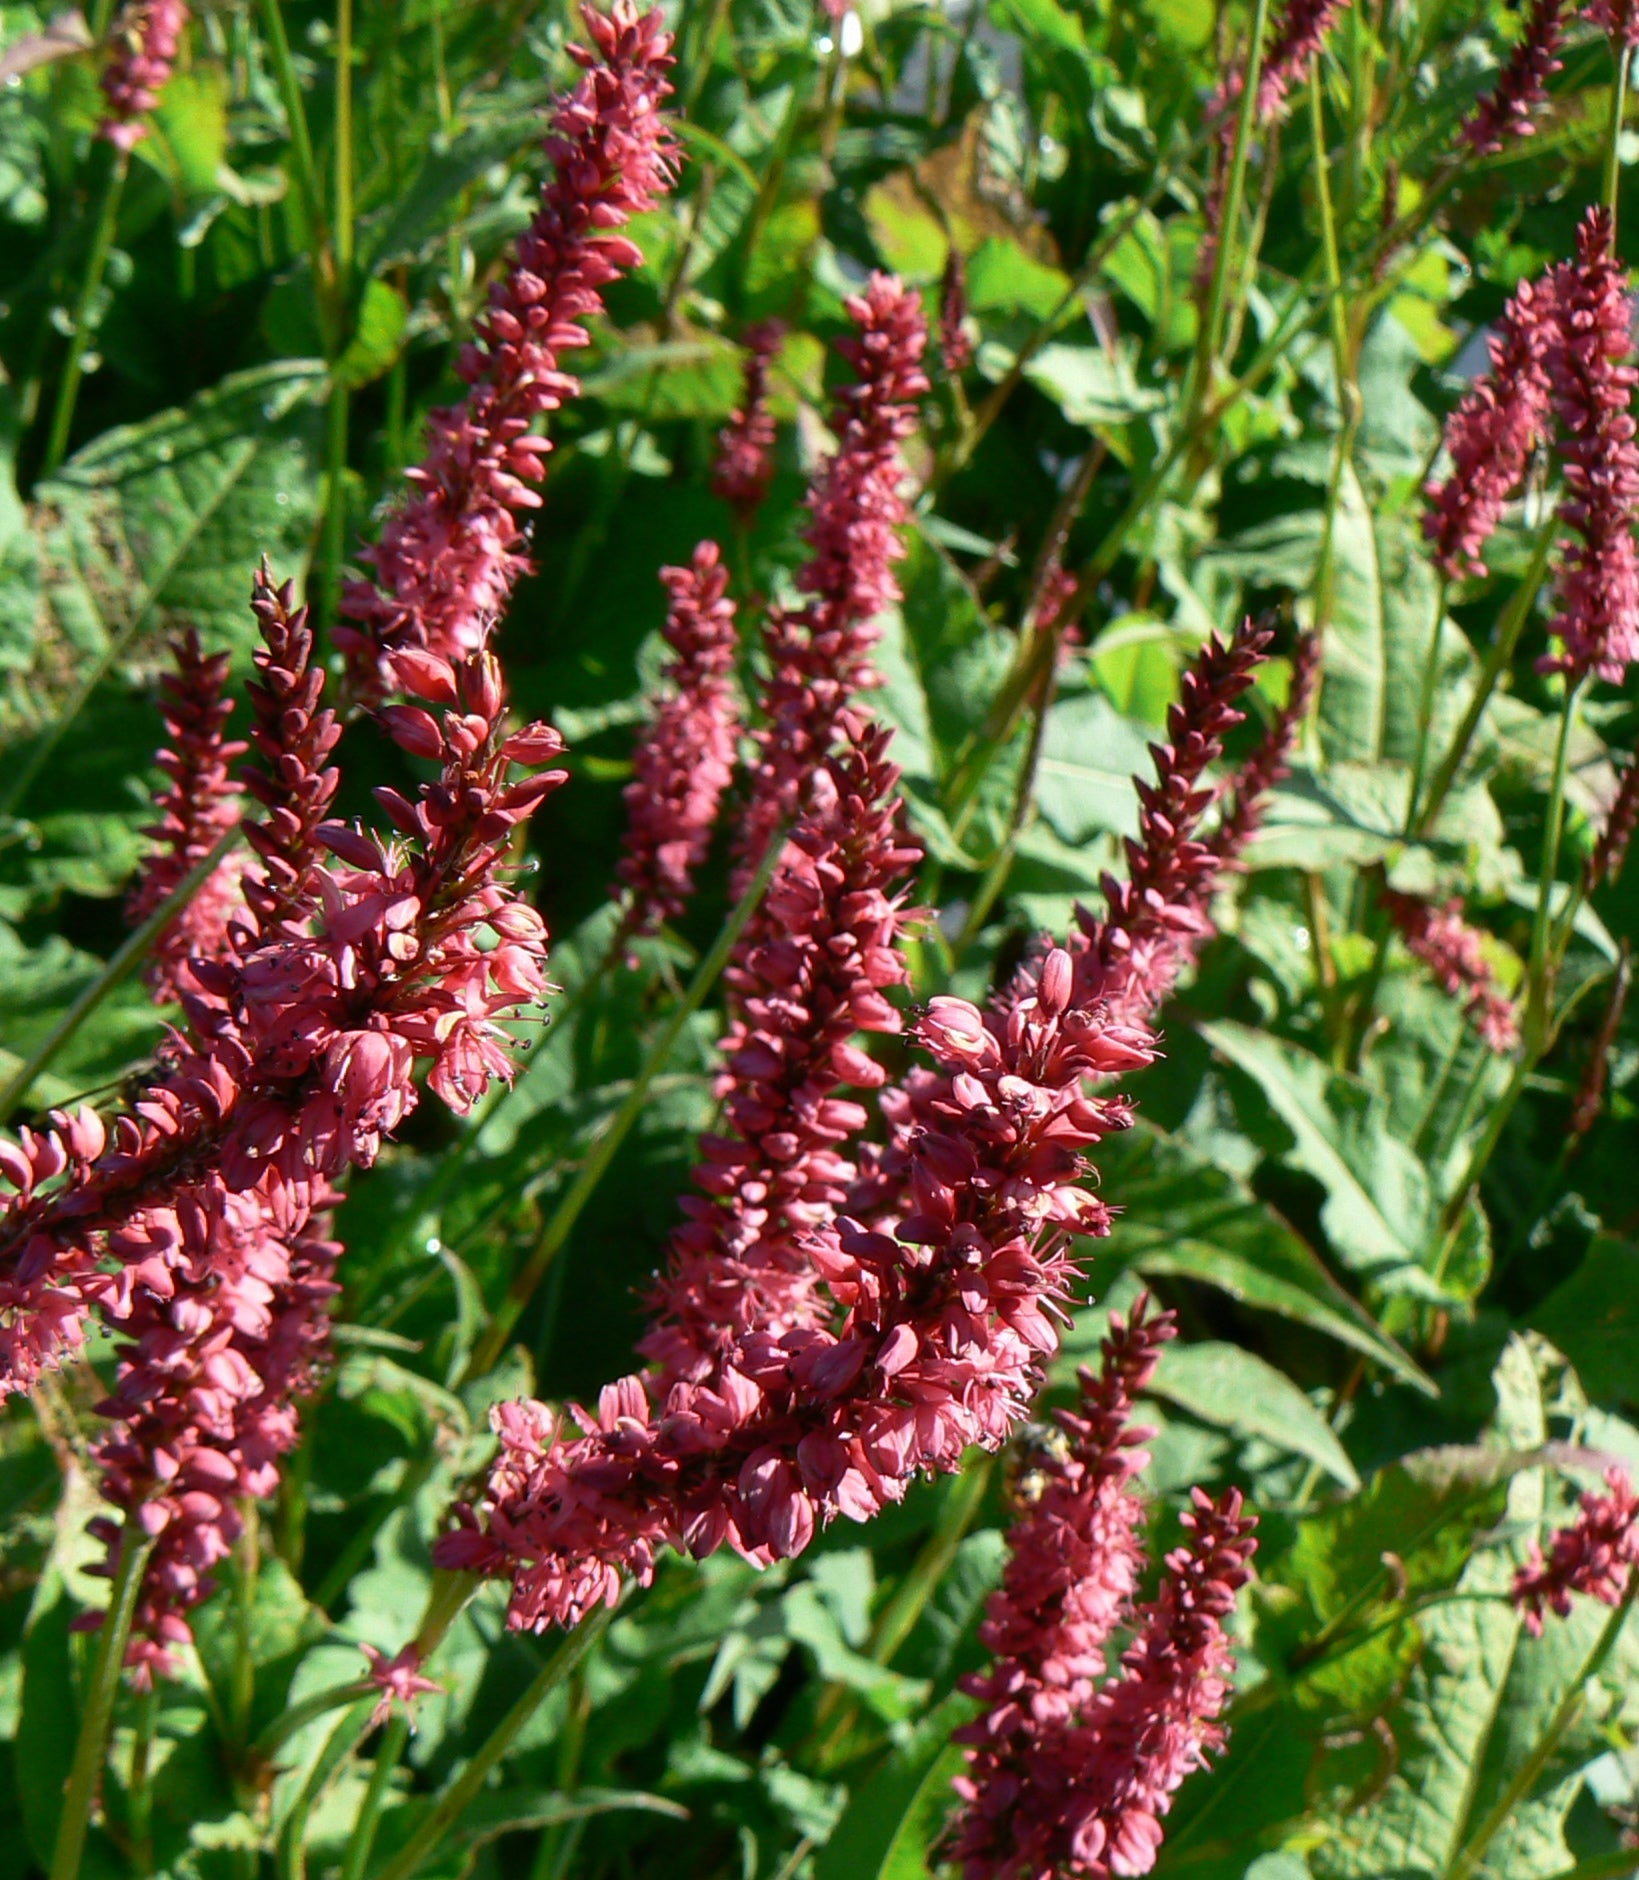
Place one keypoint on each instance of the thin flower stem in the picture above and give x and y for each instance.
(450, 1806)
(139, 1788)
(301, 152)
(363, 1838)
(1206, 354)
(343, 1740)
(320, 1704)
(1538, 975)
(1425, 705)
(1468, 1858)
(615, 1132)
(85, 306)
(1613, 153)
(334, 545)
(120, 968)
(1497, 661)
(80, 1796)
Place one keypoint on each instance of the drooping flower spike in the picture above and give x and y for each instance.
(1611, 849)
(146, 36)
(1455, 953)
(1592, 376)
(810, 973)
(745, 445)
(449, 557)
(819, 654)
(1510, 108)
(685, 760)
(1594, 1554)
(1075, 1554)
(198, 807)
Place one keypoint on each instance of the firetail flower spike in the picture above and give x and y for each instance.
(1075, 1556)
(819, 655)
(1509, 109)
(1248, 799)
(1453, 951)
(1595, 1554)
(745, 445)
(1592, 376)
(198, 808)
(450, 556)
(686, 758)
(146, 37)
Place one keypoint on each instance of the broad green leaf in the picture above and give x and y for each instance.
(1181, 1216)
(1238, 1391)
(418, 217)
(1094, 387)
(1090, 754)
(895, 1816)
(1003, 278)
(378, 336)
(698, 377)
(510, 1811)
(1381, 1213)
(1593, 1317)
(190, 135)
(168, 518)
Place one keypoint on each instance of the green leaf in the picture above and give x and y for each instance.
(1183, 1217)
(698, 377)
(893, 1819)
(1381, 1213)
(1593, 1317)
(1090, 754)
(1238, 1391)
(378, 336)
(170, 515)
(190, 141)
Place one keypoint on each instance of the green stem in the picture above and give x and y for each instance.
(320, 1704)
(96, 265)
(1537, 976)
(139, 1788)
(306, 167)
(1425, 706)
(83, 1782)
(334, 545)
(114, 974)
(363, 1838)
(452, 1804)
(339, 1746)
(619, 1126)
(1206, 352)
(1509, 629)
(343, 222)
(1613, 157)
(1525, 1778)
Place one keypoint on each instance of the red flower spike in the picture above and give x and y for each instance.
(449, 557)
(1453, 952)
(1509, 109)
(199, 807)
(1594, 1554)
(819, 655)
(685, 761)
(745, 445)
(146, 38)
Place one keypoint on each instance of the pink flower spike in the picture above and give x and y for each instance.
(450, 555)
(1492, 433)
(1453, 951)
(1595, 1554)
(685, 760)
(1611, 849)
(146, 38)
(198, 808)
(955, 342)
(1249, 793)
(1299, 34)
(1619, 18)
(399, 1681)
(1509, 109)
(745, 446)
(819, 655)
(1592, 376)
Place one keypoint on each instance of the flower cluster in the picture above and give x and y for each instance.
(1077, 1783)
(819, 654)
(1510, 107)
(1154, 920)
(1594, 1554)
(1075, 1554)
(1492, 433)
(810, 973)
(449, 557)
(938, 1343)
(193, 1223)
(1611, 849)
(199, 807)
(745, 445)
(146, 37)
(1592, 377)
(1249, 794)
(685, 760)
(1299, 34)
(1455, 953)
(1619, 18)
(399, 1680)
